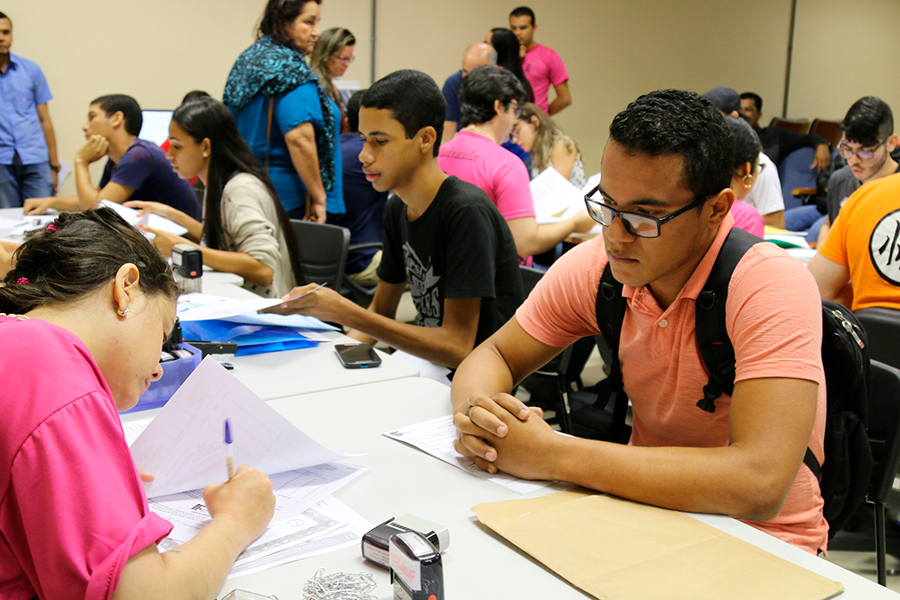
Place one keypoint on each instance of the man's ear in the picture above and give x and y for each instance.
(892, 143)
(117, 119)
(721, 206)
(429, 139)
(499, 109)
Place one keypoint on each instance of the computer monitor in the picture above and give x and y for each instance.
(156, 126)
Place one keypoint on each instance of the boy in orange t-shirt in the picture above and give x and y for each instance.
(864, 247)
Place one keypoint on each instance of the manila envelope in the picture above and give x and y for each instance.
(614, 549)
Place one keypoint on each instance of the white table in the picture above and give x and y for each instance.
(291, 372)
(401, 479)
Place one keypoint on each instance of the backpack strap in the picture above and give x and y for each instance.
(810, 460)
(712, 337)
(610, 308)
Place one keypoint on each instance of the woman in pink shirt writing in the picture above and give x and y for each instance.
(85, 312)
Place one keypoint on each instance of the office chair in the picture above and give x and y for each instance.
(884, 439)
(830, 130)
(323, 248)
(797, 176)
(795, 125)
(554, 371)
(882, 326)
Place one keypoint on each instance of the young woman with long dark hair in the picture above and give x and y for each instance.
(245, 230)
(506, 44)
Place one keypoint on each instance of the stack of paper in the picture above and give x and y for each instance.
(148, 219)
(183, 447)
(215, 319)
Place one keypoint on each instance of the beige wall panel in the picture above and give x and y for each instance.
(614, 50)
(842, 52)
(155, 51)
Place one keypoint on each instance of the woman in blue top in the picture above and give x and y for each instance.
(289, 123)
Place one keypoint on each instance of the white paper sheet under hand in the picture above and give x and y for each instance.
(351, 531)
(183, 446)
(436, 436)
(295, 492)
(203, 307)
(148, 219)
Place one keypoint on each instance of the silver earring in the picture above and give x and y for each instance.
(122, 313)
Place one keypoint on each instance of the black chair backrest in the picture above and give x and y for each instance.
(884, 428)
(882, 327)
(530, 278)
(324, 251)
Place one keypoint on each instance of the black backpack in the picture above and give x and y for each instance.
(844, 477)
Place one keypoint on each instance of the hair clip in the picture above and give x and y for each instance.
(21, 281)
(51, 227)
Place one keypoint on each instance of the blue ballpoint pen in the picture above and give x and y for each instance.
(229, 447)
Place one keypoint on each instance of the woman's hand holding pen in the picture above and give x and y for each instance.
(247, 501)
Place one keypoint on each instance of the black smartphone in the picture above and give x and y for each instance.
(357, 356)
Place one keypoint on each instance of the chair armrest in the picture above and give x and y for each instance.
(365, 246)
(806, 191)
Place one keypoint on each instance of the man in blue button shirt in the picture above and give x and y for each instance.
(28, 163)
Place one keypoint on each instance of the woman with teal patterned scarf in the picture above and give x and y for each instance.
(285, 117)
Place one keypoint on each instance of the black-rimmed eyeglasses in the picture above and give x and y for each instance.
(643, 226)
(863, 154)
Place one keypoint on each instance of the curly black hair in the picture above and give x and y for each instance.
(683, 123)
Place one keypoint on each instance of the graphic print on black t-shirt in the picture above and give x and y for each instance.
(423, 287)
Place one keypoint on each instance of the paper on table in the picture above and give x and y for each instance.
(436, 436)
(554, 196)
(614, 548)
(183, 445)
(295, 492)
(352, 529)
(149, 219)
(204, 307)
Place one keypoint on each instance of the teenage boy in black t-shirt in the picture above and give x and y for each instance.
(442, 236)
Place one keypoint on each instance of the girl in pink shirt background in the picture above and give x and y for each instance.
(83, 316)
(746, 172)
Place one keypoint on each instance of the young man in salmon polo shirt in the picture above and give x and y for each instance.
(667, 163)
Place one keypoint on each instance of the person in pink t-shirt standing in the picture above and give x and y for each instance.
(543, 66)
(664, 202)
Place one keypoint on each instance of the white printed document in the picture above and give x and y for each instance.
(327, 511)
(295, 493)
(204, 307)
(148, 219)
(555, 198)
(183, 447)
(436, 437)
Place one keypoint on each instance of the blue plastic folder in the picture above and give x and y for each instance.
(251, 339)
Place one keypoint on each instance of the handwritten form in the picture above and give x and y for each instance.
(436, 436)
(183, 446)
